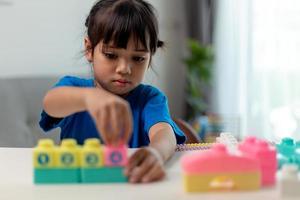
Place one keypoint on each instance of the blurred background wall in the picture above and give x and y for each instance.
(256, 45)
(44, 38)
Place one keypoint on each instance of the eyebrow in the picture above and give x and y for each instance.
(137, 50)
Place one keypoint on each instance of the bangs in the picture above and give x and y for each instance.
(122, 26)
(115, 22)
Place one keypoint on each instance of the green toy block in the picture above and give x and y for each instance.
(103, 175)
(281, 160)
(56, 176)
(286, 147)
(288, 152)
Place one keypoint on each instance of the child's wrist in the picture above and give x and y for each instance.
(157, 154)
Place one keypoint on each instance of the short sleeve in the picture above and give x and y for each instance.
(156, 110)
(48, 122)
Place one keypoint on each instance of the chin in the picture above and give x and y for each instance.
(121, 92)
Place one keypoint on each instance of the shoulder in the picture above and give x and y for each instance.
(74, 81)
(147, 94)
(151, 91)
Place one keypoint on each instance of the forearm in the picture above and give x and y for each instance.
(63, 101)
(163, 140)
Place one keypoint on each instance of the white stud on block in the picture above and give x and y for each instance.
(228, 140)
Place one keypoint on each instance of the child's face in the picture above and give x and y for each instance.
(119, 70)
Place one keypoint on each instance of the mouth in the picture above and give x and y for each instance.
(121, 82)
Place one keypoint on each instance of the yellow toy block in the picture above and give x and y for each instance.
(67, 156)
(92, 155)
(221, 182)
(44, 154)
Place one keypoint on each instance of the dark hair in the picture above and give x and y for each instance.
(118, 20)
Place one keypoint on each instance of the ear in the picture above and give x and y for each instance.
(88, 49)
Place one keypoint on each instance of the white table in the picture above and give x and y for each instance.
(16, 182)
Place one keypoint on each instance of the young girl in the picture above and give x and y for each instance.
(122, 37)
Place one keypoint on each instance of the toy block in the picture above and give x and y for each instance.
(289, 182)
(67, 162)
(70, 163)
(92, 155)
(92, 164)
(56, 164)
(115, 156)
(43, 154)
(44, 162)
(103, 175)
(288, 152)
(266, 155)
(92, 160)
(286, 147)
(217, 169)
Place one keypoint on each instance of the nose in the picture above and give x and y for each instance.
(123, 67)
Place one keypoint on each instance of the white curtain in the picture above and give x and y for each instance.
(257, 67)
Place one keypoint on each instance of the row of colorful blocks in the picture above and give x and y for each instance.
(72, 163)
(253, 165)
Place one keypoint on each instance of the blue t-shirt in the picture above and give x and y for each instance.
(148, 105)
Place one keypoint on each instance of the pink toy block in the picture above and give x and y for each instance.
(266, 155)
(218, 169)
(115, 156)
(218, 159)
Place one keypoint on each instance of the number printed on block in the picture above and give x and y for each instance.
(115, 156)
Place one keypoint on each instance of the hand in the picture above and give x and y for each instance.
(111, 114)
(145, 165)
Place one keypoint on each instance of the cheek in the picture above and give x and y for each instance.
(140, 71)
(101, 66)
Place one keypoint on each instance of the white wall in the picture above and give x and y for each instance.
(39, 37)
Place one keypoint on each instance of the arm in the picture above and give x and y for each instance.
(147, 164)
(63, 101)
(104, 107)
(163, 140)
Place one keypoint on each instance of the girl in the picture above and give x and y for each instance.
(122, 37)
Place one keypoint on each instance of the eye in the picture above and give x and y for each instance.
(138, 59)
(110, 56)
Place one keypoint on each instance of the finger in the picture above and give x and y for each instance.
(135, 160)
(104, 125)
(139, 172)
(127, 124)
(115, 123)
(154, 174)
